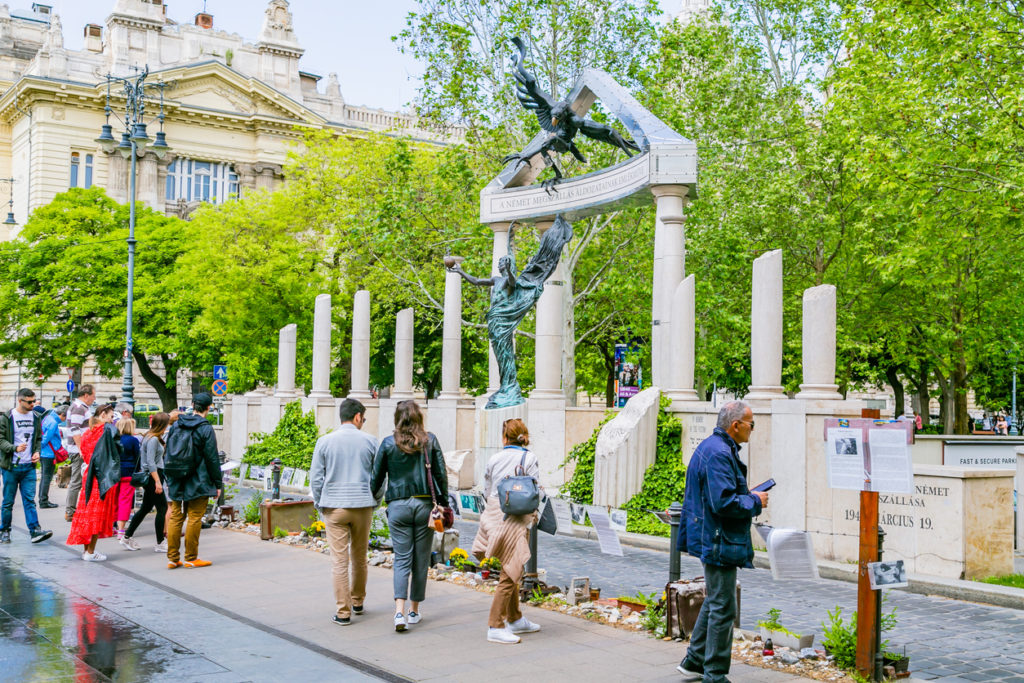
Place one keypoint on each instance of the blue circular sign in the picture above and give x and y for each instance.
(71, 385)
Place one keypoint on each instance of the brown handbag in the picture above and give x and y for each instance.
(441, 516)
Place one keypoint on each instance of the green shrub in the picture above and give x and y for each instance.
(664, 481)
(840, 637)
(280, 533)
(1014, 580)
(251, 511)
(292, 440)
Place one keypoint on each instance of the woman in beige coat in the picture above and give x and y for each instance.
(507, 538)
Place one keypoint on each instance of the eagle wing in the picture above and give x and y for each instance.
(529, 93)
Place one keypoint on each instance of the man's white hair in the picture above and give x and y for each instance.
(731, 412)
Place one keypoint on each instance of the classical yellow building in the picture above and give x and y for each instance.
(233, 110)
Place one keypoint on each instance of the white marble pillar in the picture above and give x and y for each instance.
(403, 355)
(819, 344)
(498, 249)
(548, 338)
(286, 362)
(669, 269)
(321, 348)
(683, 346)
(766, 327)
(361, 347)
(451, 343)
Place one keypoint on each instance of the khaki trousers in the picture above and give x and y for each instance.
(348, 536)
(177, 513)
(505, 606)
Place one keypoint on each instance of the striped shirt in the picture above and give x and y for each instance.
(78, 422)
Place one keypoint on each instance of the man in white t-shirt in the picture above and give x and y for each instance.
(78, 421)
(21, 436)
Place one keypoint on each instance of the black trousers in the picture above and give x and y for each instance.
(46, 469)
(150, 499)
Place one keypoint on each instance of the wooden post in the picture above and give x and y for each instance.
(867, 604)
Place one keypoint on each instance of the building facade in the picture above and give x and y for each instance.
(233, 109)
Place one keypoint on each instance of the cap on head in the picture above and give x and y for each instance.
(202, 401)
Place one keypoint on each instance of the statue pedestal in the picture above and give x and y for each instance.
(488, 433)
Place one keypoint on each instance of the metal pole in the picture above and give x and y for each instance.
(878, 616)
(675, 513)
(530, 575)
(1013, 418)
(127, 389)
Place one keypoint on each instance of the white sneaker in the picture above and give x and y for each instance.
(128, 543)
(502, 635)
(93, 557)
(399, 622)
(523, 625)
(161, 547)
(412, 618)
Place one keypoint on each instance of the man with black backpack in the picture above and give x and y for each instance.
(192, 469)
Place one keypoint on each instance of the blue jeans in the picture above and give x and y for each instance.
(711, 641)
(23, 477)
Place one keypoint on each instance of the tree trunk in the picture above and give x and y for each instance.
(609, 366)
(896, 383)
(961, 423)
(568, 343)
(167, 391)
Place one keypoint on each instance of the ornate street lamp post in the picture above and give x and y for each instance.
(133, 140)
(10, 202)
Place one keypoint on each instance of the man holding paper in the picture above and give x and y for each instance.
(715, 526)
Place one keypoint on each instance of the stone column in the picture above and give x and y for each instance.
(286, 362)
(682, 347)
(766, 327)
(819, 344)
(669, 268)
(451, 345)
(499, 249)
(403, 355)
(147, 188)
(361, 347)
(117, 177)
(321, 348)
(550, 325)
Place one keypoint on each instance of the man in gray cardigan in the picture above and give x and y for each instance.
(340, 478)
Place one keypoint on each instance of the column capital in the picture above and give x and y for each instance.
(660, 191)
(501, 226)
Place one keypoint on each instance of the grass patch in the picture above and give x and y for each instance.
(1011, 580)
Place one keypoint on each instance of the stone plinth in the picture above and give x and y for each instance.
(361, 347)
(443, 422)
(321, 384)
(547, 438)
(682, 349)
(626, 447)
(286, 341)
(819, 344)
(403, 355)
(488, 434)
(766, 328)
(451, 344)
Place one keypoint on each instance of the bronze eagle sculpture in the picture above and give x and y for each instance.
(559, 121)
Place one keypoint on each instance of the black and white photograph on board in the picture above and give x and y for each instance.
(890, 574)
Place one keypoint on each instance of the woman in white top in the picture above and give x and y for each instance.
(507, 538)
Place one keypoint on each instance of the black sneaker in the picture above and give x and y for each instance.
(40, 535)
(341, 621)
(5, 536)
(357, 609)
(688, 669)
(47, 505)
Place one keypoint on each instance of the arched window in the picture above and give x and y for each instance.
(201, 181)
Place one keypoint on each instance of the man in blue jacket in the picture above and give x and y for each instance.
(717, 510)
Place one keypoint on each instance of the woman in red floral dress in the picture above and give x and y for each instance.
(94, 519)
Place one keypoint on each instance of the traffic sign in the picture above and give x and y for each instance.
(71, 386)
(220, 387)
(220, 372)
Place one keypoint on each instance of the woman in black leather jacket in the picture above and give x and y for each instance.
(403, 458)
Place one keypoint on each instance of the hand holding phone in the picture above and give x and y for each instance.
(766, 485)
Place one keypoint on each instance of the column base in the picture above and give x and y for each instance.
(360, 395)
(287, 394)
(320, 395)
(402, 395)
(546, 394)
(764, 393)
(828, 392)
(675, 395)
(449, 396)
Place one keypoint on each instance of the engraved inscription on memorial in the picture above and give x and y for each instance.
(901, 510)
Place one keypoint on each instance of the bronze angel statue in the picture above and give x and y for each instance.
(560, 123)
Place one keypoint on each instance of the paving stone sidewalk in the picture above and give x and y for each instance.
(286, 592)
(947, 640)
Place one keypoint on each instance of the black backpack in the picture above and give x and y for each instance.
(181, 457)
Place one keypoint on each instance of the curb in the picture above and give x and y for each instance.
(954, 589)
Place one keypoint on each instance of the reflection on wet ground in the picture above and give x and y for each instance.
(48, 633)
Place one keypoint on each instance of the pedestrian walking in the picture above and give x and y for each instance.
(21, 436)
(403, 459)
(78, 422)
(340, 481)
(153, 492)
(506, 537)
(96, 509)
(192, 470)
(717, 510)
(131, 460)
(52, 446)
